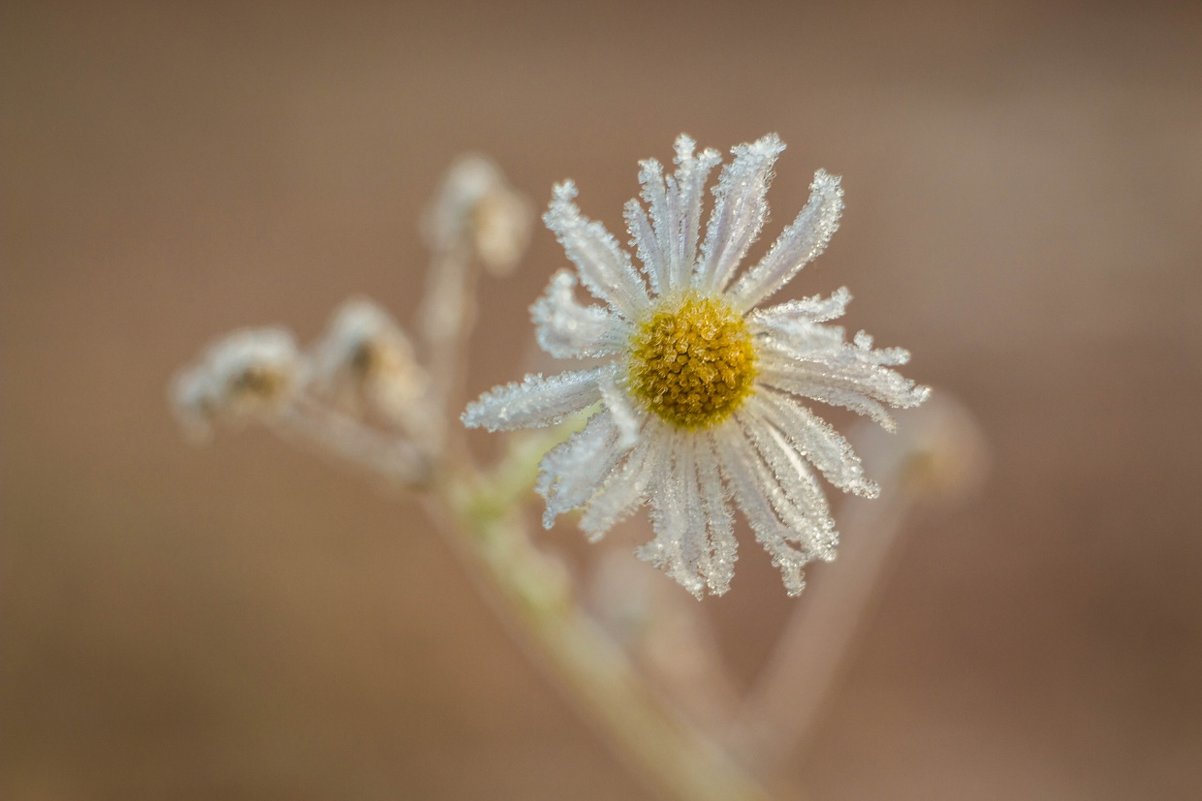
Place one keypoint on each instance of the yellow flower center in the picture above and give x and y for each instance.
(692, 361)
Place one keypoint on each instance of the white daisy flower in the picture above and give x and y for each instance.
(697, 394)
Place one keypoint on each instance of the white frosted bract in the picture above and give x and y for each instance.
(604, 267)
(567, 329)
(357, 323)
(251, 349)
(365, 350)
(249, 373)
(535, 402)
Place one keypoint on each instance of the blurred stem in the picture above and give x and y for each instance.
(310, 422)
(446, 319)
(532, 594)
(940, 455)
(785, 705)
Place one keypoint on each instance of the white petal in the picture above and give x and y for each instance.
(628, 417)
(740, 209)
(814, 361)
(695, 544)
(797, 245)
(815, 309)
(677, 519)
(742, 469)
(569, 330)
(680, 269)
(655, 195)
(719, 565)
(604, 267)
(674, 212)
(688, 500)
(796, 336)
(789, 380)
(536, 401)
(688, 186)
(646, 245)
(626, 488)
(795, 494)
(573, 470)
(817, 440)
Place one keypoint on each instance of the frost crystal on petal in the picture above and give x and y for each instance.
(675, 515)
(740, 210)
(801, 243)
(816, 309)
(569, 330)
(818, 441)
(814, 361)
(604, 267)
(694, 532)
(666, 234)
(624, 489)
(536, 402)
(573, 471)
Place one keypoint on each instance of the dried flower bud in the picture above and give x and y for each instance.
(364, 350)
(251, 373)
(477, 206)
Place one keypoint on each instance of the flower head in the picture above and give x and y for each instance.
(252, 373)
(697, 397)
(365, 350)
(477, 206)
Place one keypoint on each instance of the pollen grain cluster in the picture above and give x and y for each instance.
(692, 361)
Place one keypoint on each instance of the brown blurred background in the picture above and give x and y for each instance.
(247, 622)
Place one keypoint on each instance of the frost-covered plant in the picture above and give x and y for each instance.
(698, 390)
(693, 401)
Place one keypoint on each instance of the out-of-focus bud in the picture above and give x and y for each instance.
(476, 206)
(249, 374)
(364, 353)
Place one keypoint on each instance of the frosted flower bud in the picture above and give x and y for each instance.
(249, 374)
(478, 206)
(364, 350)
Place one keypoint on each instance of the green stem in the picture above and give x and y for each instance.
(533, 595)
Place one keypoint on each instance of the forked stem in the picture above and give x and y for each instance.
(532, 594)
